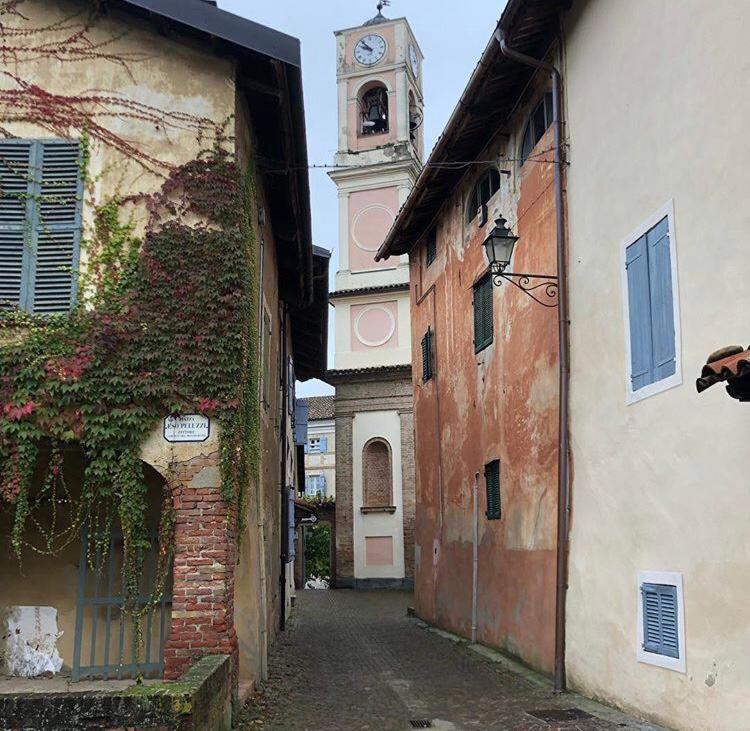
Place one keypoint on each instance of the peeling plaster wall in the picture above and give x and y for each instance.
(500, 403)
(657, 108)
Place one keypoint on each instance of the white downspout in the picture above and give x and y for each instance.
(475, 560)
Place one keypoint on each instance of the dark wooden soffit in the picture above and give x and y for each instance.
(482, 111)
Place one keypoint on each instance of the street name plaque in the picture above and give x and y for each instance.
(187, 428)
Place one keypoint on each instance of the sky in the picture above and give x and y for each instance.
(452, 36)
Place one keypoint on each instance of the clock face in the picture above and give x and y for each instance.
(413, 60)
(369, 50)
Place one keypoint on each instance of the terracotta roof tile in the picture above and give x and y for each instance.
(728, 364)
(320, 407)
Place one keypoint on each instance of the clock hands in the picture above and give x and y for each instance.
(365, 46)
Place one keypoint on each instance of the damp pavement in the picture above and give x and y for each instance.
(355, 660)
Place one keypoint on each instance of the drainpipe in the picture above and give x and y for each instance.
(282, 465)
(563, 466)
(475, 561)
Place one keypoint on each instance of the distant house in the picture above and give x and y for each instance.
(320, 448)
(598, 533)
(159, 296)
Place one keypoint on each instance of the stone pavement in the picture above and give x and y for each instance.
(354, 660)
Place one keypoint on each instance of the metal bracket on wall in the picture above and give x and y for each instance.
(523, 281)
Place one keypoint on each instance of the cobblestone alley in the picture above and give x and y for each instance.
(354, 660)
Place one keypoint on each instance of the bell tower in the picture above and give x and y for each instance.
(380, 147)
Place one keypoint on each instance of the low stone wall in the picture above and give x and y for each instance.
(201, 700)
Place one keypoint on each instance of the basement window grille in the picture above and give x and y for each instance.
(492, 482)
(427, 356)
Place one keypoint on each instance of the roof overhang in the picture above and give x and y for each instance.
(373, 373)
(729, 365)
(310, 323)
(483, 110)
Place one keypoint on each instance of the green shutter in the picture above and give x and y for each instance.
(41, 190)
(483, 317)
(492, 483)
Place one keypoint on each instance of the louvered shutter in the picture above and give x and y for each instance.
(660, 622)
(427, 356)
(301, 412)
(431, 247)
(492, 484)
(639, 311)
(487, 317)
(16, 207)
(662, 305)
(324, 444)
(57, 228)
(323, 485)
(477, 318)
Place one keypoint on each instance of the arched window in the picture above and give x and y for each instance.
(483, 190)
(373, 105)
(377, 474)
(538, 124)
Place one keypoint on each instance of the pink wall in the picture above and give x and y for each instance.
(371, 214)
(379, 551)
(374, 326)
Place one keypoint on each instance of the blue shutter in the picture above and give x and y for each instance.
(660, 626)
(324, 444)
(291, 552)
(16, 210)
(662, 305)
(57, 230)
(639, 306)
(301, 411)
(323, 485)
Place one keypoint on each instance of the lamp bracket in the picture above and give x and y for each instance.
(547, 297)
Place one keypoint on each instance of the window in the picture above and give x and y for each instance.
(481, 193)
(492, 483)
(651, 309)
(315, 485)
(427, 356)
(431, 248)
(40, 224)
(483, 320)
(539, 122)
(317, 444)
(661, 625)
(374, 110)
(377, 474)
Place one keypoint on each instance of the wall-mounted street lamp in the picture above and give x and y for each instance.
(498, 247)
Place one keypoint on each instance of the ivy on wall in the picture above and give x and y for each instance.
(166, 324)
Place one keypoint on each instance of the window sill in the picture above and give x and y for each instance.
(365, 509)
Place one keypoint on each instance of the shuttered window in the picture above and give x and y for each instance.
(483, 320)
(651, 307)
(431, 248)
(660, 621)
(492, 483)
(427, 350)
(40, 224)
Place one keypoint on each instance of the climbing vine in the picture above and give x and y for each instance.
(165, 323)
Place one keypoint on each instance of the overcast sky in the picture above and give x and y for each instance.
(452, 36)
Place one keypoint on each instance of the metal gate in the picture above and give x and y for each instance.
(105, 640)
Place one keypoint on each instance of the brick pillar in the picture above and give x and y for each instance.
(204, 561)
(344, 502)
(407, 482)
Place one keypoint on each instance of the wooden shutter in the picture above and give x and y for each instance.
(492, 483)
(660, 625)
(483, 318)
(57, 228)
(16, 208)
(639, 310)
(662, 304)
(431, 251)
(323, 444)
(301, 412)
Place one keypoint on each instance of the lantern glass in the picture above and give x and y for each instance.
(498, 246)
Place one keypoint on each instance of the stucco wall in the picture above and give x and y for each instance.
(500, 403)
(657, 109)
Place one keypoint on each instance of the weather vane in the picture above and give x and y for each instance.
(383, 4)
